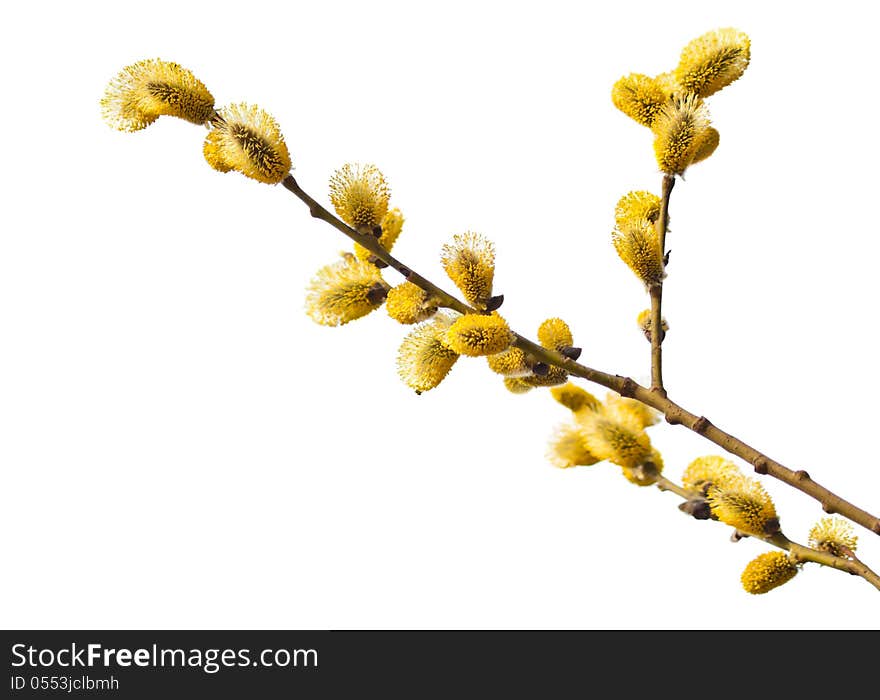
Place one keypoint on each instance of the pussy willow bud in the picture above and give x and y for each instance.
(742, 503)
(644, 321)
(639, 97)
(704, 472)
(554, 376)
(574, 397)
(568, 449)
(408, 303)
(392, 226)
(476, 335)
(623, 442)
(668, 84)
(707, 146)
(713, 61)
(682, 133)
(469, 260)
(424, 359)
(146, 90)
(512, 362)
(360, 195)
(629, 411)
(639, 247)
(247, 139)
(345, 291)
(635, 209)
(516, 386)
(835, 536)
(646, 472)
(767, 571)
(554, 334)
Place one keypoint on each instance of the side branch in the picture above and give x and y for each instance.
(656, 291)
(801, 553)
(625, 386)
(798, 552)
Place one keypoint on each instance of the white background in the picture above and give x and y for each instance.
(181, 447)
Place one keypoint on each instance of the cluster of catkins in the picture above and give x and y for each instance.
(673, 106)
(246, 139)
(353, 286)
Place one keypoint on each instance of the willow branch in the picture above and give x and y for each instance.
(798, 552)
(665, 484)
(656, 290)
(625, 386)
(801, 553)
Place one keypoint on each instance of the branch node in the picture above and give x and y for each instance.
(761, 465)
(701, 425)
(571, 353)
(541, 369)
(381, 264)
(875, 528)
(828, 508)
(628, 388)
(801, 475)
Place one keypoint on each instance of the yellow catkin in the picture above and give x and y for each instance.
(574, 397)
(555, 376)
(407, 303)
(742, 502)
(360, 195)
(647, 472)
(767, 571)
(512, 362)
(629, 411)
(644, 321)
(213, 150)
(469, 260)
(144, 91)
(635, 209)
(704, 472)
(568, 449)
(835, 536)
(516, 386)
(554, 334)
(668, 83)
(682, 132)
(247, 139)
(392, 226)
(639, 248)
(344, 291)
(622, 443)
(476, 335)
(713, 61)
(639, 97)
(424, 359)
(707, 145)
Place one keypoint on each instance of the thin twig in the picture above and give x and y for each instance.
(656, 291)
(799, 553)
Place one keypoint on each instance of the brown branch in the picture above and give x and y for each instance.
(798, 552)
(656, 291)
(625, 386)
